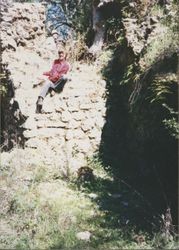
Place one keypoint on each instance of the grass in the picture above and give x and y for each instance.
(47, 212)
(166, 38)
(159, 46)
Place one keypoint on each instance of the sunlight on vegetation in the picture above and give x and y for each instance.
(129, 201)
(162, 44)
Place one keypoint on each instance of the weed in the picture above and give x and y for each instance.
(39, 173)
(77, 50)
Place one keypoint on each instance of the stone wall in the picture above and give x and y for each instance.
(70, 129)
(21, 24)
(22, 27)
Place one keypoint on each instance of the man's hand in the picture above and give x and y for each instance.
(46, 73)
(42, 78)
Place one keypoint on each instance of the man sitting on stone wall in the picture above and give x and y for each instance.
(56, 78)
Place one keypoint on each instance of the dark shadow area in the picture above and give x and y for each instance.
(136, 147)
(10, 113)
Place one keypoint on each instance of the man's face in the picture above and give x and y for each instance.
(61, 56)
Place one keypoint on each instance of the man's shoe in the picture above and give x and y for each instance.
(39, 104)
(38, 109)
(40, 100)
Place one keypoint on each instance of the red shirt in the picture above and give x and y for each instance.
(59, 68)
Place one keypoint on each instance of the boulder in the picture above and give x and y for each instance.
(84, 236)
(11, 43)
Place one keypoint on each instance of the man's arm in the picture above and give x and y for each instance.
(47, 73)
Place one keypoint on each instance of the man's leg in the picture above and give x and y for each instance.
(60, 85)
(43, 93)
(45, 88)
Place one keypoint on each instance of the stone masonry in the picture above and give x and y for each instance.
(70, 129)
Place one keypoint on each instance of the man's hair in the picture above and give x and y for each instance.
(61, 51)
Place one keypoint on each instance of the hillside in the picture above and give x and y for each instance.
(98, 168)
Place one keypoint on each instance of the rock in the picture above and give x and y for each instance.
(87, 125)
(7, 18)
(85, 106)
(153, 20)
(5, 25)
(30, 134)
(90, 114)
(48, 108)
(78, 116)
(35, 143)
(73, 109)
(49, 132)
(50, 124)
(102, 83)
(21, 32)
(60, 108)
(30, 124)
(100, 105)
(75, 163)
(11, 43)
(74, 124)
(50, 44)
(95, 144)
(84, 236)
(78, 134)
(69, 135)
(73, 105)
(95, 134)
(44, 132)
(40, 32)
(99, 121)
(93, 196)
(66, 116)
(84, 146)
(35, 28)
